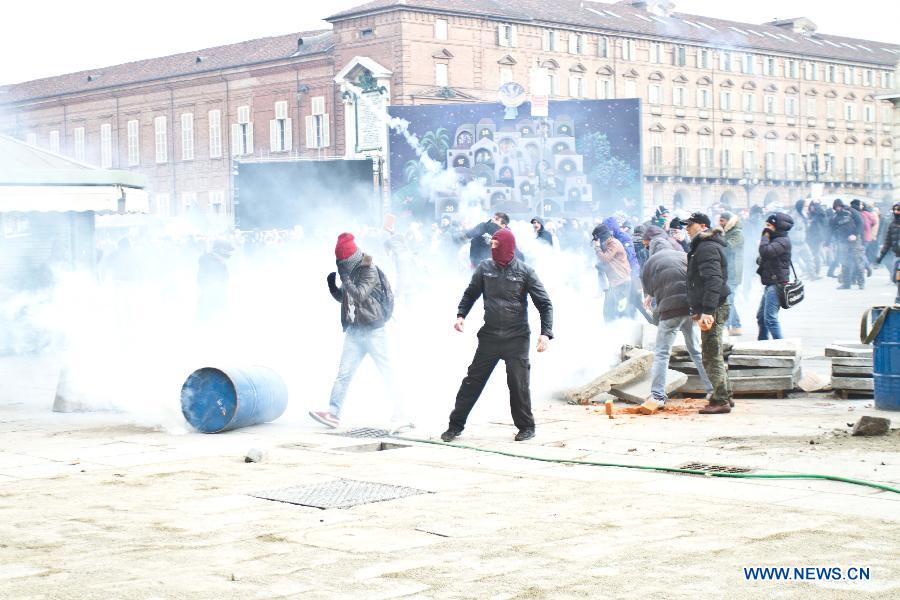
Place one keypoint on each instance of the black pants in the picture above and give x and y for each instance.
(514, 352)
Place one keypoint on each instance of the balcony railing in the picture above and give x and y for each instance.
(761, 174)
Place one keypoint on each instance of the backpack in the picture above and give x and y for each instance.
(385, 296)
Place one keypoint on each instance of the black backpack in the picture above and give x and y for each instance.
(385, 296)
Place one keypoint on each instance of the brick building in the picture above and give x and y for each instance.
(736, 112)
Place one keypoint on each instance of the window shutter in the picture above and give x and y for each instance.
(500, 35)
(546, 44)
(326, 132)
(513, 37)
(573, 43)
(288, 135)
(310, 131)
(273, 136)
(235, 139)
(249, 138)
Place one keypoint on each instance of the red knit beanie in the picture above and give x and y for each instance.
(345, 247)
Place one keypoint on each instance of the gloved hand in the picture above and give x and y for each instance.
(332, 286)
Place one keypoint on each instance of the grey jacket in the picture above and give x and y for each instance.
(664, 277)
(359, 296)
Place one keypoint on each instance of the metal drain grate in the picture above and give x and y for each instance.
(340, 493)
(362, 432)
(695, 466)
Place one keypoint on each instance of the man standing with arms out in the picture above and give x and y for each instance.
(366, 303)
(734, 254)
(707, 273)
(774, 270)
(504, 281)
(892, 244)
(665, 280)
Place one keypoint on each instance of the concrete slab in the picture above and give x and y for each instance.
(784, 347)
(842, 371)
(639, 390)
(764, 361)
(848, 349)
(852, 361)
(865, 384)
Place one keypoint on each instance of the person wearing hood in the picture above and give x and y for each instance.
(504, 282)
(664, 278)
(707, 281)
(734, 254)
(660, 217)
(612, 260)
(366, 303)
(817, 234)
(774, 271)
(892, 244)
(541, 232)
(846, 235)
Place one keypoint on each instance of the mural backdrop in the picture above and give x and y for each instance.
(585, 157)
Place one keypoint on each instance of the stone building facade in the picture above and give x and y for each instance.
(731, 112)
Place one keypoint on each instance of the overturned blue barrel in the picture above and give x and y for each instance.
(215, 400)
(886, 359)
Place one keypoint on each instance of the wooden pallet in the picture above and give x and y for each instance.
(857, 394)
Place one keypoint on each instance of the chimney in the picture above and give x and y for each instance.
(660, 8)
(800, 25)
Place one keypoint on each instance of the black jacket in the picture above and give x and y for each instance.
(359, 296)
(775, 252)
(505, 307)
(664, 277)
(707, 272)
(479, 249)
(891, 240)
(845, 223)
(542, 234)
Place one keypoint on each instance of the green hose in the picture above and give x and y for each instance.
(862, 482)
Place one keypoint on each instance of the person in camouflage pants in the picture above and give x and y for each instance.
(708, 293)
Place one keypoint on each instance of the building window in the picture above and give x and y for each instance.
(656, 52)
(679, 56)
(725, 160)
(367, 33)
(850, 167)
(848, 75)
(159, 130)
(747, 63)
(703, 98)
(850, 111)
(790, 159)
(808, 71)
(54, 141)
(679, 96)
(603, 47)
(681, 152)
(242, 133)
(725, 100)
(724, 60)
(811, 107)
(187, 136)
(215, 134)
(576, 43)
(770, 158)
(441, 76)
(506, 35)
(630, 89)
(318, 133)
(78, 135)
(134, 143)
(705, 155)
(106, 145)
(887, 79)
(217, 202)
(551, 40)
(576, 86)
(790, 106)
(654, 93)
(440, 29)
(869, 113)
(885, 170)
(656, 149)
(791, 69)
(868, 77)
(771, 66)
(749, 103)
(703, 61)
(163, 205)
(628, 50)
(831, 73)
(604, 89)
(281, 129)
(831, 109)
(188, 202)
(31, 139)
(770, 105)
(506, 75)
(749, 155)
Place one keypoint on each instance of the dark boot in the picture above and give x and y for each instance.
(717, 408)
(525, 434)
(450, 435)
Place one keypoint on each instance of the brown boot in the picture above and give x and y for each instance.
(715, 408)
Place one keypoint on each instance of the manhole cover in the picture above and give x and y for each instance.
(341, 493)
(362, 432)
(696, 466)
(373, 447)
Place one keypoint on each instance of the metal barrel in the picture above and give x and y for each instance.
(215, 400)
(886, 360)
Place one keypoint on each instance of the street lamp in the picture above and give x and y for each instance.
(813, 169)
(748, 182)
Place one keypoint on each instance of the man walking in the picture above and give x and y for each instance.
(774, 270)
(707, 274)
(734, 254)
(504, 282)
(664, 278)
(366, 305)
(846, 231)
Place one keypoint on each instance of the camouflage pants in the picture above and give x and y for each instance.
(714, 359)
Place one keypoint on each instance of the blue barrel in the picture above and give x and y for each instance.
(886, 360)
(215, 400)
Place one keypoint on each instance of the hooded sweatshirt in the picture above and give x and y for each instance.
(626, 242)
(542, 233)
(775, 251)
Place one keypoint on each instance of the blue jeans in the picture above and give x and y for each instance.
(665, 336)
(767, 315)
(357, 344)
(734, 321)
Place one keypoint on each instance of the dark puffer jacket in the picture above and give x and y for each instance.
(359, 295)
(665, 279)
(707, 272)
(542, 233)
(775, 252)
(479, 247)
(891, 240)
(505, 306)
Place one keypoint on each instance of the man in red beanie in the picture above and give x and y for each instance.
(504, 281)
(366, 305)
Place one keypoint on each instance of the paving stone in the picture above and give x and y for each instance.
(871, 426)
(852, 361)
(764, 361)
(638, 390)
(864, 384)
(785, 347)
(848, 349)
(762, 384)
(841, 371)
(794, 372)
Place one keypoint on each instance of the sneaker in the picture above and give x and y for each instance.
(718, 408)
(325, 418)
(525, 434)
(450, 435)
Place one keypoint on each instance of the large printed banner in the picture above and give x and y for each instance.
(584, 158)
